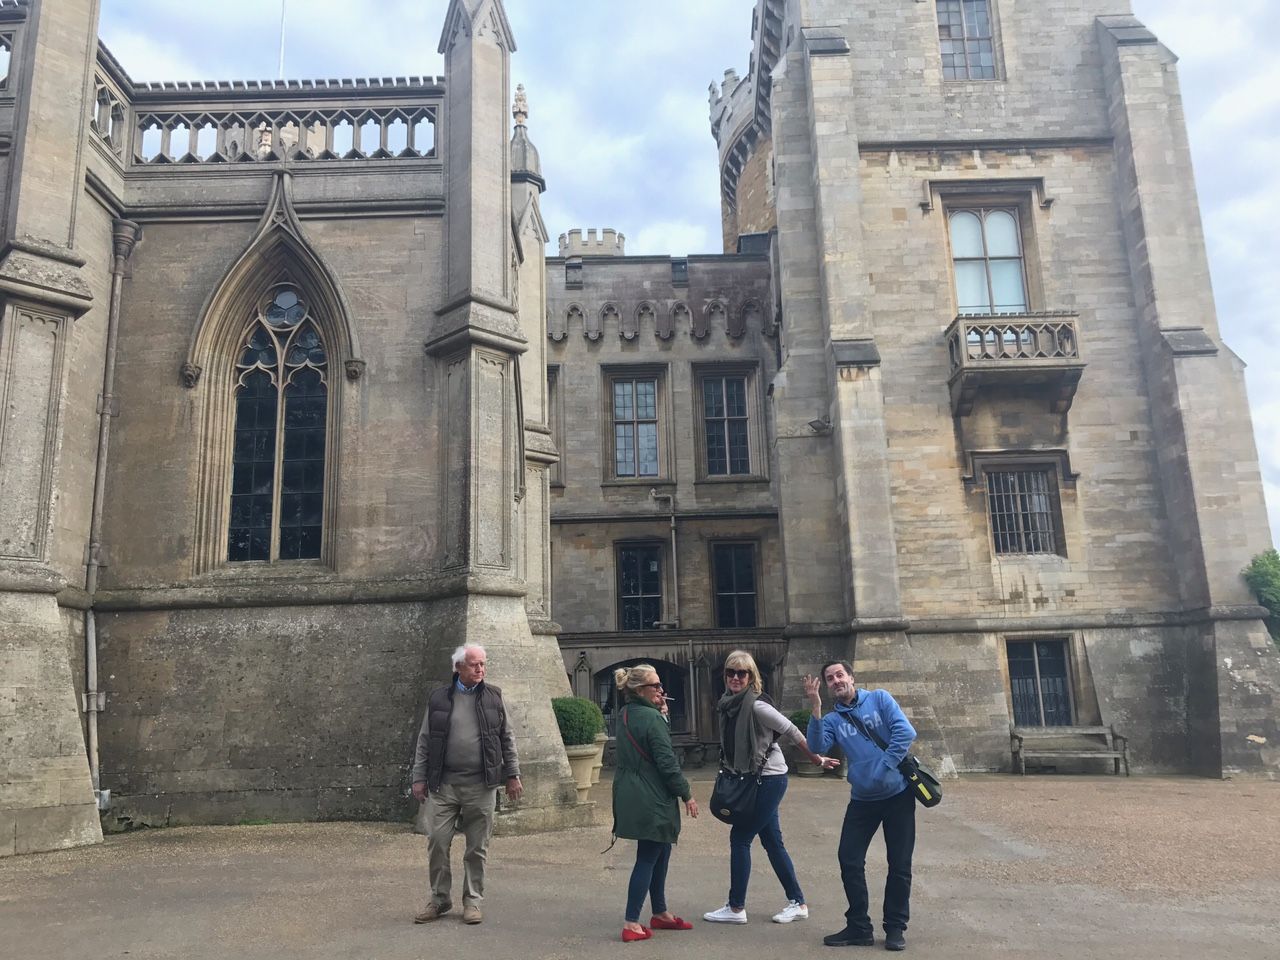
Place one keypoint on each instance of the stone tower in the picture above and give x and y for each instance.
(879, 135)
(52, 324)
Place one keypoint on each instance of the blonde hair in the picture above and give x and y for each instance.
(741, 660)
(629, 680)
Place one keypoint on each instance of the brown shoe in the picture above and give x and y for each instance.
(471, 914)
(433, 911)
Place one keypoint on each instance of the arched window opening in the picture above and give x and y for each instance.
(674, 678)
(278, 460)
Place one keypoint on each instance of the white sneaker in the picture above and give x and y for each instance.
(792, 911)
(725, 915)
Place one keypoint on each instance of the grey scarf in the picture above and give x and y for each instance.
(740, 734)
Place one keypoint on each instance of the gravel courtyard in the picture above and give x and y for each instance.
(1041, 867)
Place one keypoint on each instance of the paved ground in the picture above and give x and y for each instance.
(1047, 867)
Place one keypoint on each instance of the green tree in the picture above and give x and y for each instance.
(1263, 577)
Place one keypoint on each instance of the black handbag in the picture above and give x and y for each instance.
(921, 782)
(733, 798)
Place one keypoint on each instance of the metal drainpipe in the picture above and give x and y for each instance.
(675, 603)
(124, 236)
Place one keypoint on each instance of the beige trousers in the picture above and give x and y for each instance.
(459, 808)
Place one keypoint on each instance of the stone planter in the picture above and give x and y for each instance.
(582, 759)
(601, 739)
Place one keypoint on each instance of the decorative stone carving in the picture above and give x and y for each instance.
(190, 374)
(355, 369)
(749, 315)
(680, 317)
(609, 315)
(591, 323)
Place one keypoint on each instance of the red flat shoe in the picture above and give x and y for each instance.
(675, 924)
(630, 936)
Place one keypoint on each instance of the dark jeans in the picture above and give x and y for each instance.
(861, 820)
(765, 825)
(648, 876)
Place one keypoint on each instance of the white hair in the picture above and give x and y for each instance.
(460, 655)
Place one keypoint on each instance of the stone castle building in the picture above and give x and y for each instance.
(294, 402)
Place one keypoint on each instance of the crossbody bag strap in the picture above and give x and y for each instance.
(626, 727)
(868, 733)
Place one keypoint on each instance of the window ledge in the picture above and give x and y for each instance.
(750, 478)
(640, 482)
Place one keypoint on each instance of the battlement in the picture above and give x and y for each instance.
(609, 243)
(732, 103)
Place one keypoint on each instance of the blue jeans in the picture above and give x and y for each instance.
(765, 825)
(897, 815)
(648, 876)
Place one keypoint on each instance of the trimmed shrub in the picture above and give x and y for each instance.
(1263, 577)
(800, 718)
(578, 718)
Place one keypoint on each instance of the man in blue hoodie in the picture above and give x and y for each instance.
(878, 797)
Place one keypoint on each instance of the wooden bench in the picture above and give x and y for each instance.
(1068, 743)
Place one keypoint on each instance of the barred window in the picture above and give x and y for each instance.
(987, 252)
(639, 586)
(967, 39)
(278, 457)
(735, 582)
(1024, 510)
(725, 426)
(635, 427)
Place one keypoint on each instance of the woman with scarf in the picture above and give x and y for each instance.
(647, 782)
(749, 731)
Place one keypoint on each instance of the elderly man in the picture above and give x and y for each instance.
(465, 750)
(879, 798)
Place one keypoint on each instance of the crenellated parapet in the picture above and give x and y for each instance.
(608, 243)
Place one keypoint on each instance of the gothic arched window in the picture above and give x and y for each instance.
(278, 459)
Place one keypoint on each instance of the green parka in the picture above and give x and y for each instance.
(646, 791)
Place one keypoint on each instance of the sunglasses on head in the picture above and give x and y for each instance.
(731, 674)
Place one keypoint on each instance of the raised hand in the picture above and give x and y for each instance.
(813, 690)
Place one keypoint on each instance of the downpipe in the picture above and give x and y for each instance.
(125, 235)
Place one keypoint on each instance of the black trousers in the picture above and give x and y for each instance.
(898, 817)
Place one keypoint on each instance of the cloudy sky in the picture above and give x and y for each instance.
(622, 124)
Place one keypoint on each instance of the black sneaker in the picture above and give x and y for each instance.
(895, 940)
(849, 938)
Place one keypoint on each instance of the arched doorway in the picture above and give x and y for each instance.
(675, 684)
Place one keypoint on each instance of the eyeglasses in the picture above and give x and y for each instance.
(657, 685)
(737, 674)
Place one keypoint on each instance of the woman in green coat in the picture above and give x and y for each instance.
(647, 783)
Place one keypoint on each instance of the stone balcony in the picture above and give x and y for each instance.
(1036, 351)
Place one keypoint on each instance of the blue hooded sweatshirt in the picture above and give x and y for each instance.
(873, 773)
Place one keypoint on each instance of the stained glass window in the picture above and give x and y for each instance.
(278, 457)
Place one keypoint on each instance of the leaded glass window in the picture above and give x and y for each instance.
(639, 586)
(278, 457)
(725, 426)
(967, 40)
(635, 427)
(735, 581)
(986, 247)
